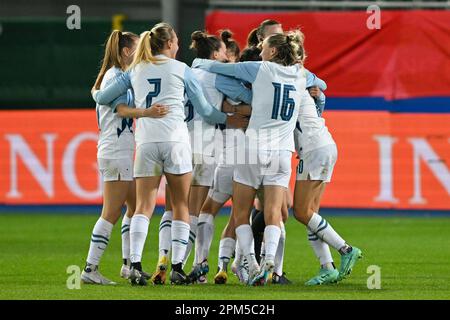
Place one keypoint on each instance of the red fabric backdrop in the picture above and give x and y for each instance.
(408, 57)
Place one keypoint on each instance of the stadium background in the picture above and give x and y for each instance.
(388, 97)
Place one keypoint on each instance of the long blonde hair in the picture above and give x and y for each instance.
(117, 40)
(152, 43)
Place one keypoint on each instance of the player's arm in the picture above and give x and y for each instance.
(206, 110)
(319, 98)
(246, 71)
(233, 88)
(314, 81)
(124, 105)
(117, 87)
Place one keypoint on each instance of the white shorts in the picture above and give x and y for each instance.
(317, 164)
(222, 188)
(116, 169)
(155, 158)
(273, 168)
(203, 172)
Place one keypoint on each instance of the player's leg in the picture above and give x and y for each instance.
(243, 197)
(279, 277)
(305, 193)
(125, 230)
(114, 195)
(205, 235)
(258, 224)
(273, 201)
(179, 186)
(226, 248)
(146, 193)
(165, 241)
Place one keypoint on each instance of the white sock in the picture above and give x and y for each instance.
(238, 253)
(271, 238)
(125, 230)
(226, 248)
(99, 241)
(324, 231)
(279, 256)
(138, 235)
(180, 238)
(165, 234)
(320, 248)
(244, 235)
(262, 254)
(205, 234)
(193, 221)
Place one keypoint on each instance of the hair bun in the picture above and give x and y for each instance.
(226, 35)
(198, 35)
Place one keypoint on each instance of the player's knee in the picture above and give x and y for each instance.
(301, 213)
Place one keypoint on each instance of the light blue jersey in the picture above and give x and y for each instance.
(276, 99)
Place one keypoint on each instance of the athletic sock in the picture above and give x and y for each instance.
(180, 238)
(325, 231)
(279, 257)
(226, 248)
(321, 250)
(193, 222)
(138, 235)
(125, 230)
(245, 237)
(205, 234)
(165, 234)
(99, 241)
(271, 238)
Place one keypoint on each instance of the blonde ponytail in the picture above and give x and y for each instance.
(112, 58)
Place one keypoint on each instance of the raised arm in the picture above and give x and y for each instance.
(246, 71)
(233, 88)
(113, 90)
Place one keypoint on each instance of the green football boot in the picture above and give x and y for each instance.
(348, 260)
(325, 276)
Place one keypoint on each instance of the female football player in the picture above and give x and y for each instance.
(115, 157)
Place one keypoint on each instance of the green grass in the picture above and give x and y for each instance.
(413, 254)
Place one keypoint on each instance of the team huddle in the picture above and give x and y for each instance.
(225, 128)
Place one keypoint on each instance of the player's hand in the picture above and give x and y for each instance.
(227, 107)
(156, 111)
(315, 92)
(237, 121)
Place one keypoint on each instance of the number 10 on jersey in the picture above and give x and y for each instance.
(287, 104)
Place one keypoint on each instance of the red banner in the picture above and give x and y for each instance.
(384, 160)
(408, 57)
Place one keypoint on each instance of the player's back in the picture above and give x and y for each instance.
(199, 129)
(162, 83)
(116, 137)
(275, 105)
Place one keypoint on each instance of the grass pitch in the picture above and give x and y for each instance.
(413, 254)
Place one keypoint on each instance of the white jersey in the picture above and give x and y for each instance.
(311, 132)
(116, 137)
(202, 133)
(162, 83)
(276, 100)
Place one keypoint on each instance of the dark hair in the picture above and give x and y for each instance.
(263, 25)
(117, 40)
(231, 44)
(250, 54)
(204, 44)
(252, 38)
